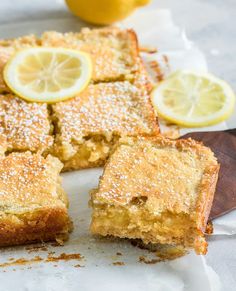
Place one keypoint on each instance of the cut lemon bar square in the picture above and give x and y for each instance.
(156, 190)
(89, 126)
(26, 126)
(33, 205)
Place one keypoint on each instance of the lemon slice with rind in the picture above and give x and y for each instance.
(193, 100)
(45, 74)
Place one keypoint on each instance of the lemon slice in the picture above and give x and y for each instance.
(48, 74)
(193, 100)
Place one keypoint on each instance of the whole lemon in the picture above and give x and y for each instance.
(104, 11)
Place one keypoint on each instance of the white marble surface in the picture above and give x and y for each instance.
(212, 25)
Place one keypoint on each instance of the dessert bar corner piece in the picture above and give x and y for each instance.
(156, 190)
(89, 126)
(33, 206)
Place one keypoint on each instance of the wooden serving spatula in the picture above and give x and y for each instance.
(223, 144)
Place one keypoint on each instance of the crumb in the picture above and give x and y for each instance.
(157, 69)
(144, 260)
(118, 264)
(64, 257)
(51, 253)
(22, 261)
(209, 228)
(56, 244)
(32, 249)
(78, 266)
(148, 49)
(119, 254)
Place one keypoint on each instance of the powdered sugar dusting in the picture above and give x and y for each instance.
(28, 179)
(120, 108)
(26, 125)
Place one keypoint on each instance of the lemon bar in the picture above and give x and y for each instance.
(114, 52)
(89, 126)
(156, 190)
(33, 205)
(25, 125)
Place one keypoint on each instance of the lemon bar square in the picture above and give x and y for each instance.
(33, 206)
(114, 52)
(26, 126)
(89, 126)
(156, 190)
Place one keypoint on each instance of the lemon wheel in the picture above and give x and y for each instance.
(48, 74)
(193, 100)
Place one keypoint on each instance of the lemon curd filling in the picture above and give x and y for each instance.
(137, 222)
(90, 151)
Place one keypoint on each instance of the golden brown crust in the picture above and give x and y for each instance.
(45, 224)
(33, 206)
(206, 196)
